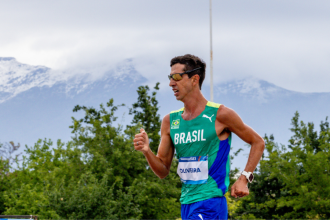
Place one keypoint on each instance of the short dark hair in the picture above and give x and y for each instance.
(191, 62)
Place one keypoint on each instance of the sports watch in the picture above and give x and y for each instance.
(249, 176)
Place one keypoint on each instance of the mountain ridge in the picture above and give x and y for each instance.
(16, 78)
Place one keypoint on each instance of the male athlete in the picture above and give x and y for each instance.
(200, 133)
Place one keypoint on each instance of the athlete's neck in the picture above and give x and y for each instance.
(193, 106)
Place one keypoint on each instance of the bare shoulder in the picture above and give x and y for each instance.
(226, 115)
(166, 124)
(230, 120)
(166, 119)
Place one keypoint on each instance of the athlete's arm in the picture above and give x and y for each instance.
(231, 121)
(161, 162)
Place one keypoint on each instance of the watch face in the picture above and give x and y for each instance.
(251, 178)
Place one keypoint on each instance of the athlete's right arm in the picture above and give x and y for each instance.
(161, 162)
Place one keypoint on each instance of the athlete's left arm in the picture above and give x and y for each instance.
(231, 121)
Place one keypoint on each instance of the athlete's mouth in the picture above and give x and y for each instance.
(175, 91)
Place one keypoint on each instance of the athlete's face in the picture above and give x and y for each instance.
(182, 87)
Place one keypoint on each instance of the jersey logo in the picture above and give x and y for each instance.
(205, 116)
(175, 124)
(190, 137)
(200, 216)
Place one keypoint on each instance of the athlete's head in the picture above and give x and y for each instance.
(192, 62)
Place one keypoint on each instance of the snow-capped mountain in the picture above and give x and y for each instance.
(36, 103)
(16, 77)
(269, 109)
(252, 88)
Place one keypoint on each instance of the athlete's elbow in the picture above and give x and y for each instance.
(261, 144)
(258, 144)
(163, 175)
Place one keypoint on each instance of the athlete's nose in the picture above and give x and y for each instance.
(172, 82)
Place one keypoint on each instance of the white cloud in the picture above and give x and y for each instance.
(283, 42)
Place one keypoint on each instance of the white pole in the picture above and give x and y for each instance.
(211, 54)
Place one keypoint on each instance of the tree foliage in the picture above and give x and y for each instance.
(97, 175)
(8, 157)
(292, 181)
(145, 111)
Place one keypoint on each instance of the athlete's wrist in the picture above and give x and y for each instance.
(248, 176)
(147, 152)
(243, 179)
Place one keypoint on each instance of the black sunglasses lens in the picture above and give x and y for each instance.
(176, 76)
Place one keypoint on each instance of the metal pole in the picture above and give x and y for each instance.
(211, 54)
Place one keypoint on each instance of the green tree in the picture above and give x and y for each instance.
(4, 169)
(7, 158)
(109, 151)
(292, 181)
(44, 169)
(162, 196)
(97, 175)
(145, 111)
(110, 148)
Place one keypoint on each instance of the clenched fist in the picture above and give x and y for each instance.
(141, 141)
(240, 188)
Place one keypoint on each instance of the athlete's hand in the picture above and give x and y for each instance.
(141, 141)
(240, 188)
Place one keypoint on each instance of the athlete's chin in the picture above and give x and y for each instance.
(178, 98)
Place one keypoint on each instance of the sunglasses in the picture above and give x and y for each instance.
(178, 76)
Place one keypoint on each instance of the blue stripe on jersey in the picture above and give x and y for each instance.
(218, 169)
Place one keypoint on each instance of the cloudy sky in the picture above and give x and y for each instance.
(283, 42)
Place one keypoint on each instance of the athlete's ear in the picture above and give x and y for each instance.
(195, 78)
